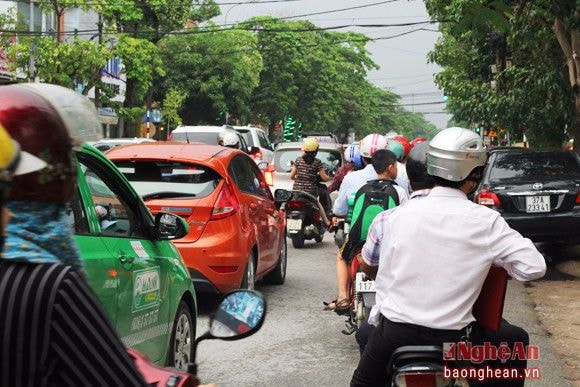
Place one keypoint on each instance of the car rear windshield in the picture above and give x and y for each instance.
(283, 157)
(169, 179)
(210, 138)
(523, 166)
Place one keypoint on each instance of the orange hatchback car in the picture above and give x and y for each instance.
(236, 230)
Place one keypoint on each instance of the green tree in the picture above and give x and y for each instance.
(503, 67)
(216, 76)
(310, 74)
(63, 63)
(147, 22)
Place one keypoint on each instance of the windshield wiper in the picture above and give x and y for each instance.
(166, 194)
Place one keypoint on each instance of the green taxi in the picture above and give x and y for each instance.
(132, 264)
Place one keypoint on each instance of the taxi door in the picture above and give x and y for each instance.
(133, 258)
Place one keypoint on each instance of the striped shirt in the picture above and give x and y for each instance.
(307, 176)
(54, 332)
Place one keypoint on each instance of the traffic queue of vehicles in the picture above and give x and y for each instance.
(158, 221)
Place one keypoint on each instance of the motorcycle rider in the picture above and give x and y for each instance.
(351, 184)
(397, 148)
(307, 172)
(53, 329)
(231, 140)
(353, 162)
(421, 184)
(426, 289)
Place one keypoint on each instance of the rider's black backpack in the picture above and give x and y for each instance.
(371, 199)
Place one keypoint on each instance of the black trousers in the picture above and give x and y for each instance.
(388, 336)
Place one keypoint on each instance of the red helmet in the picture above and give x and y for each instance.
(403, 140)
(417, 140)
(44, 120)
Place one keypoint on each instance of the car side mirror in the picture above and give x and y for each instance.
(169, 226)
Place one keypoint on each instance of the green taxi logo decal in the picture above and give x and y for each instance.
(146, 288)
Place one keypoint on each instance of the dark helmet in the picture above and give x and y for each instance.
(47, 120)
(416, 166)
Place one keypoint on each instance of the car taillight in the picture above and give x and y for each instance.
(225, 205)
(578, 198)
(487, 198)
(269, 175)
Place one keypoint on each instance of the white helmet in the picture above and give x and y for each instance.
(231, 140)
(454, 153)
(372, 143)
(352, 152)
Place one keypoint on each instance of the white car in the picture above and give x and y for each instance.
(278, 173)
(256, 137)
(109, 143)
(204, 134)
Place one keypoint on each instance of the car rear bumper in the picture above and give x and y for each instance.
(218, 258)
(551, 227)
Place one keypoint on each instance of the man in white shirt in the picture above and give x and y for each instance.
(435, 255)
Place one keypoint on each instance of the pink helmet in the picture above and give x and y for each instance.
(372, 143)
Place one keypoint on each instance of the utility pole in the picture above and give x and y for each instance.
(31, 65)
(100, 41)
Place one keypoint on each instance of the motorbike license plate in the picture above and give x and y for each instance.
(363, 284)
(293, 225)
(537, 204)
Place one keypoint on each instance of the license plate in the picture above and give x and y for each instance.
(293, 225)
(363, 284)
(537, 204)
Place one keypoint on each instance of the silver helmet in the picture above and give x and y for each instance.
(454, 153)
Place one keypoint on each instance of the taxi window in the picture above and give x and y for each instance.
(116, 218)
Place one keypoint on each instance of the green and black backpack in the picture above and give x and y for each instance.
(371, 199)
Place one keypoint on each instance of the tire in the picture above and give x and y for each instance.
(182, 338)
(298, 241)
(321, 230)
(278, 275)
(249, 279)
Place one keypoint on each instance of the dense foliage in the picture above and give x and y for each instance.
(503, 67)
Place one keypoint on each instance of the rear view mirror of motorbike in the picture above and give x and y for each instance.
(240, 314)
(282, 195)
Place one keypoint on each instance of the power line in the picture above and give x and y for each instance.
(210, 30)
(407, 77)
(339, 10)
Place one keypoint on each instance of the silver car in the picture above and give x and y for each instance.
(287, 152)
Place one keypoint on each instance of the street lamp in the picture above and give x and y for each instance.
(232, 7)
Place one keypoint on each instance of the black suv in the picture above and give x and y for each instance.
(536, 191)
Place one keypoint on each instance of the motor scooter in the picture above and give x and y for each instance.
(362, 295)
(240, 314)
(303, 220)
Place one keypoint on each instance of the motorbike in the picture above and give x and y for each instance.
(362, 295)
(240, 314)
(303, 220)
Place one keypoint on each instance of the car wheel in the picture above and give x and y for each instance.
(249, 279)
(181, 344)
(298, 241)
(278, 275)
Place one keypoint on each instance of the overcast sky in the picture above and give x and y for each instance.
(402, 60)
